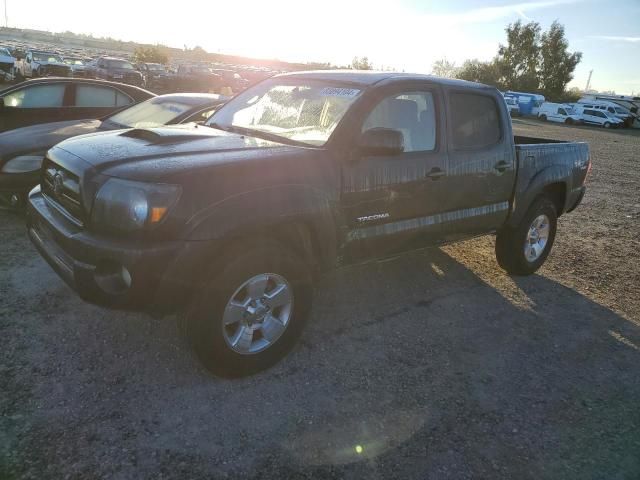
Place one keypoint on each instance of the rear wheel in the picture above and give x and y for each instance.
(252, 310)
(569, 121)
(607, 125)
(522, 250)
(543, 118)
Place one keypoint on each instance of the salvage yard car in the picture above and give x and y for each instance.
(115, 69)
(41, 64)
(7, 65)
(299, 174)
(22, 149)
(56, 99)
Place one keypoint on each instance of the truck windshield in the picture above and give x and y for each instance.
(123, 64)
(47, 57)
(304, 113)
(152, 113)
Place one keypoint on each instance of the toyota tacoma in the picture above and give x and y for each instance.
(231, 221)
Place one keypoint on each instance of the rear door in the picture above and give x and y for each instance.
(390, 201)
(480, 166)
(32, 104)
(95, 101)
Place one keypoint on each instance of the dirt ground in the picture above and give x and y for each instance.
(432, 365)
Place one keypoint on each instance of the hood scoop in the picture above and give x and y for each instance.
(159, 136)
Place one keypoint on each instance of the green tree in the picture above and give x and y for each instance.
(361, 63)
(519, 59)
(481, 72)
(556, 63)
(150, 55)
(444, 68)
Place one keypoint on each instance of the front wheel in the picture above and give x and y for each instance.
(522, 250)
(607, 125)
(252, 310)
(543, 118)
(569, 121)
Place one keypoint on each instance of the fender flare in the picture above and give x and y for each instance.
(263, 210)
(524, 197)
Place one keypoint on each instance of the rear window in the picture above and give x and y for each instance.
(475, 121)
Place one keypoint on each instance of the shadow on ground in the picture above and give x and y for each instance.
(430, 365)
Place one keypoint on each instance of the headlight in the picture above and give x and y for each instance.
(23, 163)
(128, 206)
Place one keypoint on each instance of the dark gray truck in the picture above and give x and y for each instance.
(231, 221)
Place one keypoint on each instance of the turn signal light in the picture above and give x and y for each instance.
(157, 214)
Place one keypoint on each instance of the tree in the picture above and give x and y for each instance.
(518, 60)
(150, 55)
(481, 72)
(556, 63)
(361, 63)
(444, 68)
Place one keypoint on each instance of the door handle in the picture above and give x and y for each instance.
(436, 173)
(501, 166)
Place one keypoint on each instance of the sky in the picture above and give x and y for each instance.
(404, 35)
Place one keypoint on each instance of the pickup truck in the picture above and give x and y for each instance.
(41, 64)
(230, 222)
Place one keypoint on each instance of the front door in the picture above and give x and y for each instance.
(390, 201)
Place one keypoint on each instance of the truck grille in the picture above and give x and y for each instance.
(62, 189)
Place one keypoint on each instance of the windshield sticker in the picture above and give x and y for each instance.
(339, 92)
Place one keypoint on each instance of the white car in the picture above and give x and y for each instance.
(591, 116)
(559, 112)
(512, 106)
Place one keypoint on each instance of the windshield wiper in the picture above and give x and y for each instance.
(259, 134)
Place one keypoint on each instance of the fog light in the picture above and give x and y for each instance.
(112, 278)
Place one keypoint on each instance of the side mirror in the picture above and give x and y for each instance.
(381, 142)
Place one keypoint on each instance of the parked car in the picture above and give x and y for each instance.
(611, 108)
(155, 75)
(78, 65)
(54, 99)
(299, 174)
(115, 69)
(512, 106)
(7, 65)
(231, 79)
(558, 112)
(23, 149)
(41, 64)
(196, 78)
(592, 116)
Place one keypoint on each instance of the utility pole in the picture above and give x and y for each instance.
(586, 89)
(6, 18)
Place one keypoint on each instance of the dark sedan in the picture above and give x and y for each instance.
(52, 99)
(22, 150)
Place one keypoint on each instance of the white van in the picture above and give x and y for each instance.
(610, 107)
(558, 112)
(595, 116)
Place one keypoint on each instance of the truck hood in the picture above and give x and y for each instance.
(153, 154)
(41, 137)
(5, 59)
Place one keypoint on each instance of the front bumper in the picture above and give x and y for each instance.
(161, 275)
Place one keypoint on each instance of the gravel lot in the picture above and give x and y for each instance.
(435, 364)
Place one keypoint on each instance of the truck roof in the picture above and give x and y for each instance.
(368, 77)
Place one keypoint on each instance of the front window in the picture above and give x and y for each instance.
(306, 112)
(152, 113)
(123, 64)
(4, 52)
(47, 57)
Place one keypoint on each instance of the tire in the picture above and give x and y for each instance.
(543, 118)
(510, 242)
(569, 121)
(249, 265)
(606, 125)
